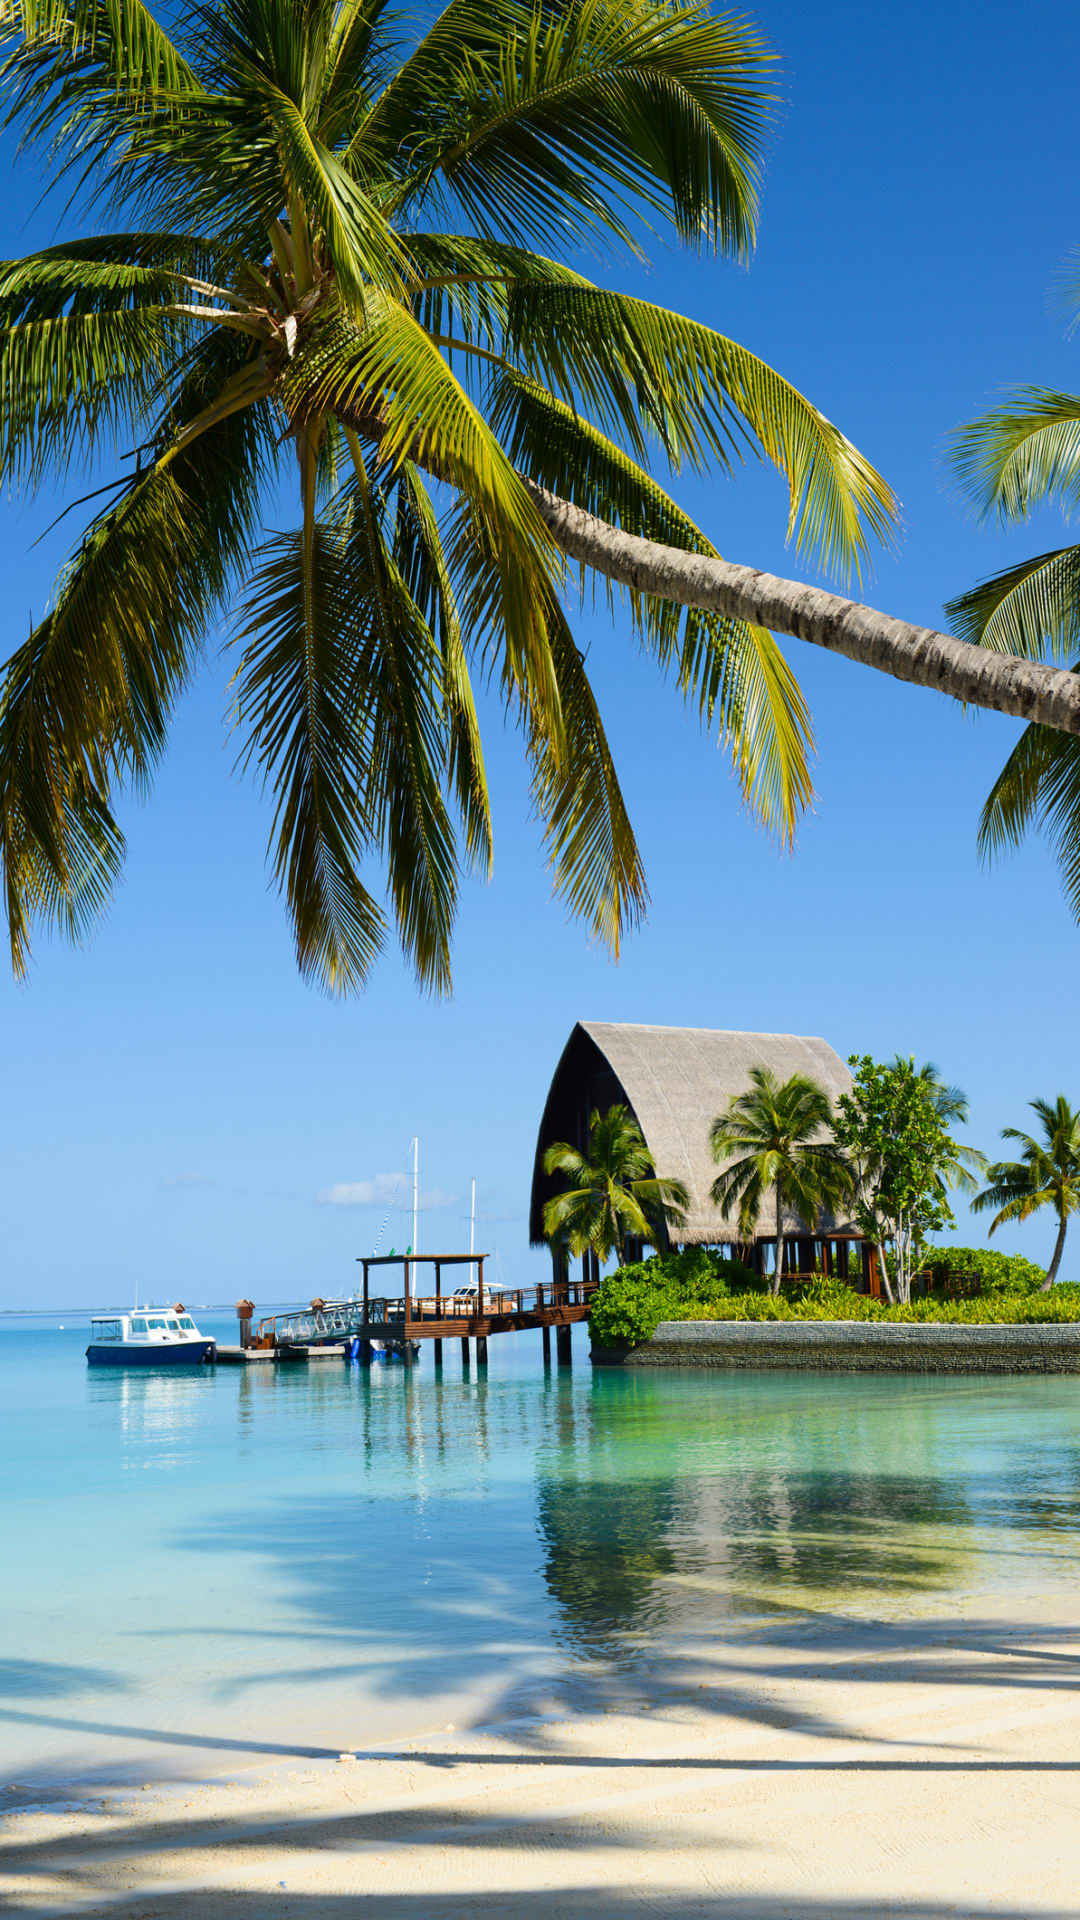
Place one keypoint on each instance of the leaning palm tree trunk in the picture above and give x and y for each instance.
(1059, 1248)
(1001, 682)
(779, 1239)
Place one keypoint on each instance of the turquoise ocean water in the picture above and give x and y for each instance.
(215, 1571)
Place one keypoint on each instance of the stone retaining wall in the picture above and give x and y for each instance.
(854, 1346)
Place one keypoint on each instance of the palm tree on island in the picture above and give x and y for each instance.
(613, 1191)
(1047, 1174)
(339, 270)
(772, 1136)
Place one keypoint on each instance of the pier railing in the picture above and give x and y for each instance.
(497, 1309)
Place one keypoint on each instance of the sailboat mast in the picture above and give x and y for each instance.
(415, 1192)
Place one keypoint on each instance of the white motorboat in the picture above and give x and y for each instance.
(148, 1337)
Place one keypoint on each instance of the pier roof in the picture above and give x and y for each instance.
(675, 1080)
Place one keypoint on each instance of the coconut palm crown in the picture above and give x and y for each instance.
(771, 1136)
(1019, 456)
(324, 262)
(1047, 1174)
(613, 1193)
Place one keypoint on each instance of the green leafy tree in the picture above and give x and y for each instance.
(894, 1126)
(337, 270)
(950, 1104)
(613, 1193)
(1047, 1174)
(772, 1136)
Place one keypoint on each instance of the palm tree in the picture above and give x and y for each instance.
(613, 1191)
(1020, 455)
(772, 1137)
(1047, 1174)
(336, 269)
(918, 655)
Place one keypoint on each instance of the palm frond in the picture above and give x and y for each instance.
(296, 700)
(646, 374)
(734, 673)
(1020, 454)
(86, 350)
(530, 117)
(86, 699)
(595, 862)
(1032, 609)
(425, 569)
(1038, 789)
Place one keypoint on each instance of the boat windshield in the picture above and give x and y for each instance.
(106, 1330)
(158, 1326)
(187, 1324)
(138, 1326)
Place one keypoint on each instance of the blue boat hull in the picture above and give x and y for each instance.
(186, 1353)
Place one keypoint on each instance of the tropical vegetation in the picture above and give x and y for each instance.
(612, 1193)
(1022, 454)
(701, 1284)
(776, 1139)
(894, 1129)
(337, 270)
(1046, 1175)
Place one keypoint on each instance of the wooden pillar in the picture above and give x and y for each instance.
(873, 1268)
(481, 1349)
(465, 1355)
(546, 1333)
(437, 1344)
(480, 1286)
(438, 1286)
(563, 1347)
(365, 1293)
(408, 1289)
(363, 1352)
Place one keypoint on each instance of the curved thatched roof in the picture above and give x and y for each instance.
(676, 1080)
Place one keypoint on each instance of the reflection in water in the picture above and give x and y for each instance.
(607, 1546)
(357, 1554)
(771, 1497)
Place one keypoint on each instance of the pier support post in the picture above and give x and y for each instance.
(363, 1352)
(465, 1355)
(562, 1346)
(481, 1350)
(437, 1344)
(546, 1335)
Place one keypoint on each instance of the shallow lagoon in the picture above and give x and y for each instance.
(229, 1569)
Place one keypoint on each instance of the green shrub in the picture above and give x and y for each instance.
(998, 1272)
(632, 1301)
(698, 1284)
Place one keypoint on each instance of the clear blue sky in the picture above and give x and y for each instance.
(175, 1101)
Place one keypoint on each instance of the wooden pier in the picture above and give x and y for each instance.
(473, 1312)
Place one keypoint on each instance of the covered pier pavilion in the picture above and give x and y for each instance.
(675, 1080)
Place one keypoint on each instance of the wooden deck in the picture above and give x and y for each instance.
(428, 1316)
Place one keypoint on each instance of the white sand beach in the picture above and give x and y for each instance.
(913, 1770)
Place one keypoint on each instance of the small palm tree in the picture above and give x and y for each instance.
(1047, 1174)
(775, 1131)
(612, 1194)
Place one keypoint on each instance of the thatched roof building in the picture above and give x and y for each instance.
(675, 1080)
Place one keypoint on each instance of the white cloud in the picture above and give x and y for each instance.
(189, 1180)
(380, 1191)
